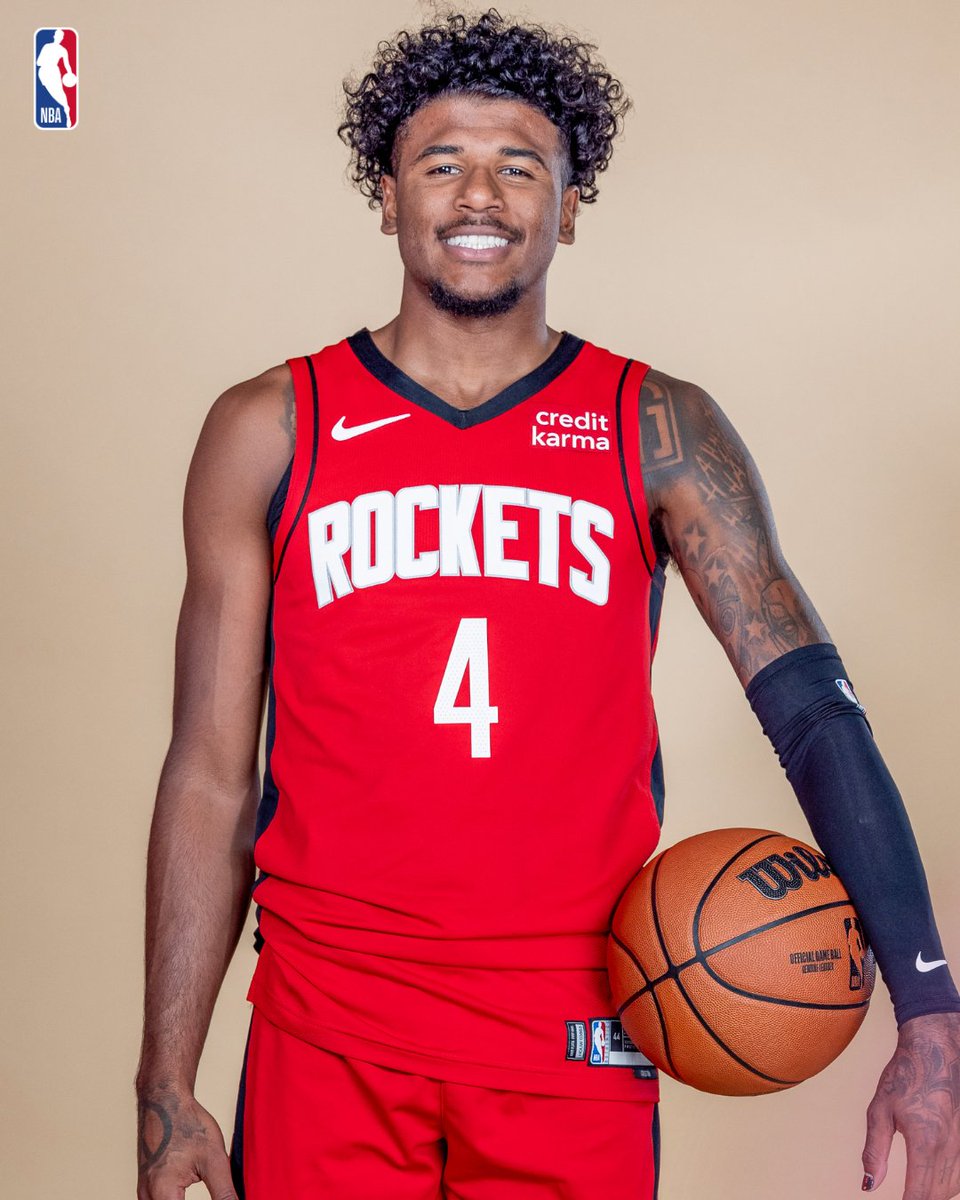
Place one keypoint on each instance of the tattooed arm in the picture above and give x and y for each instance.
(200, 858)
(709, 512)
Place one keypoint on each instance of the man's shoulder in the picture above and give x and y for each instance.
(680, 391)
(248, 438)
(266, 398)
(259, 398)
(682, 425)
(657, 383)
(252, 412)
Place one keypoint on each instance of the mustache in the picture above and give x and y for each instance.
(487, 224)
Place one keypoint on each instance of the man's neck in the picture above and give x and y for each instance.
(464, 360)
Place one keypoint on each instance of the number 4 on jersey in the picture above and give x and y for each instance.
(469, 651)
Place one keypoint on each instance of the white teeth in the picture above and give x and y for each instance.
(476, 241)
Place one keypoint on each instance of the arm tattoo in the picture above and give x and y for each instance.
(659, 438)
(288, 420)
(709, 513)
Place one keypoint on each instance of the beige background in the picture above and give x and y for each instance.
(779, 225)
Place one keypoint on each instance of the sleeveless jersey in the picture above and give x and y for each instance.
(462, 769)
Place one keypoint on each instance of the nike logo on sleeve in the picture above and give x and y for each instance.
(341, 432)
(929, 966)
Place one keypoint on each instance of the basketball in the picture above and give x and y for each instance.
(69, 79)
(737, 962)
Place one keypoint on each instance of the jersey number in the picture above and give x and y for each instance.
(469, 650)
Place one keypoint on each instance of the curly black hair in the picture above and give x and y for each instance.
(556, 74)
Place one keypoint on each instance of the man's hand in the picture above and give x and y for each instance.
(919, 1095)
(179, 1144)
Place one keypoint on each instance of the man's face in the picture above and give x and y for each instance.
(468, 166)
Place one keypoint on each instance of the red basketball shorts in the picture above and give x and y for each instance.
(312, 1124)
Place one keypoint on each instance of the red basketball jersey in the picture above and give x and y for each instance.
(462, 758)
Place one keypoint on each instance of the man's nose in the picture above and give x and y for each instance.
(479, 188)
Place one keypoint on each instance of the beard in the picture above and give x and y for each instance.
(458, 305)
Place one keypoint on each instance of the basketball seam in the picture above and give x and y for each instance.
(673, 971)
(636, 962)
(650, 985)
(698, 912)
(666, 958)
(723, 1045)
(630, 954)
(732, 987)
(703, 955)
(682, 990)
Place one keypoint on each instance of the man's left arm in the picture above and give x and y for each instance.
(709, 512)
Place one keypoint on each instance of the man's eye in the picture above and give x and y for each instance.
(442, 167)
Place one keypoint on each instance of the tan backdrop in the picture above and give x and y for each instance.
(779, 225)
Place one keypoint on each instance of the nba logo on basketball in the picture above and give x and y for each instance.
(55, 78)
(857, 949)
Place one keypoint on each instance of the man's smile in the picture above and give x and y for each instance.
(477, 243)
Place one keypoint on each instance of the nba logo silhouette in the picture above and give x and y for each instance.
(55, 75)
(600, 1043)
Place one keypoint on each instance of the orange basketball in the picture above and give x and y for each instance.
(737, 962)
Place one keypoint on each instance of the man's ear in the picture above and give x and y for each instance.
(569, 207)
(388, 206)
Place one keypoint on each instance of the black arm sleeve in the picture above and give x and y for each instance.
(810, 713)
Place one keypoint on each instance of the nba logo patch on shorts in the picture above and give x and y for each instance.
(55, 78)
(600, 1043)
(610, 1046)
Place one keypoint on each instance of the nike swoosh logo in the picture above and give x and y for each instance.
(929, 966)
(341, 432)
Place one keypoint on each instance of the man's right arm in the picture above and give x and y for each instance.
(200, 858)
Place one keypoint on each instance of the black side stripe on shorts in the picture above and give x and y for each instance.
(313, 464)
(656, 1152)
(236, 1145)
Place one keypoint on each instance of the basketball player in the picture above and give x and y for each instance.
(439, 548)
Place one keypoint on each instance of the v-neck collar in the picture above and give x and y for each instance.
(377, 363)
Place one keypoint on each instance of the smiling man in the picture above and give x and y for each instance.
(438, 549)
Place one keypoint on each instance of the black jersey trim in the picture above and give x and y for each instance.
(313, 464)
(390, 375)
(623, 463)
(275, 507)
(269, 793)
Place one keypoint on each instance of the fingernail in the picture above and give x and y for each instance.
(868, 1182)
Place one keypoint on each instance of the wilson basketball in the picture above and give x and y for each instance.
(737, 962)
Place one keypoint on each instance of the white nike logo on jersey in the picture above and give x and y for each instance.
(929, 966)
(341, 433)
